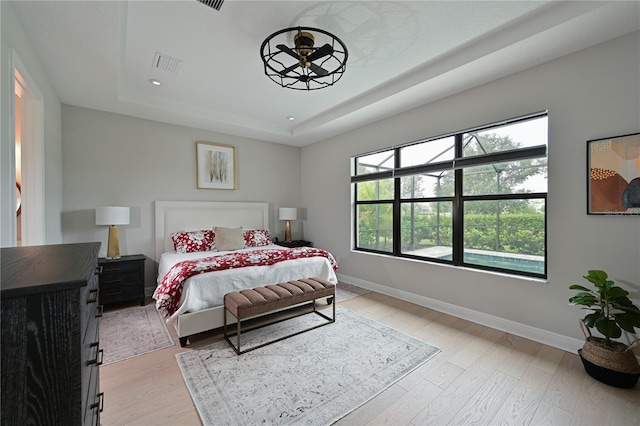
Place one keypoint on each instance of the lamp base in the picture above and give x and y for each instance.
(113, 246)
(287, 231)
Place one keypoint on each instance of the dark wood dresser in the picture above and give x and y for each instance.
(50, 348)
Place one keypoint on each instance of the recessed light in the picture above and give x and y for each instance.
(155, 82)
(291, 118)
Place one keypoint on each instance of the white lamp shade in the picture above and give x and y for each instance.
(112, 215)
(288, 213)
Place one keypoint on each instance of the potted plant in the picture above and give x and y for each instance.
(607, 360)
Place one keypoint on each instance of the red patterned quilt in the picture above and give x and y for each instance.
(169, 292)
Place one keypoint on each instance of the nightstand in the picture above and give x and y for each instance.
(295, 243)
(122, 279)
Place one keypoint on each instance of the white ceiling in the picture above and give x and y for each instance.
(402, 54)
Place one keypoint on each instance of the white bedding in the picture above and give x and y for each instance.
(207, 290)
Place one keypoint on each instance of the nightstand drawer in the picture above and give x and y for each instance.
(118, 293)
(111, 279)
(115, 268)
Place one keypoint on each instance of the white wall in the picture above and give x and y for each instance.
(591, 94)
(14, 39)
(111, 159)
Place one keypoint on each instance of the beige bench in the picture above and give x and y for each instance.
(251, 304)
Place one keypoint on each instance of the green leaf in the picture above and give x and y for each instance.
(597, 277)
(578, 287)
(627, 322)
(615, 292)
(608, 328)
(586, 299)
(591, 319)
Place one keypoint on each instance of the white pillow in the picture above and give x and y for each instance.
(229, 238)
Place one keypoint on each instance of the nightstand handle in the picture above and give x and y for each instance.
(113, 281)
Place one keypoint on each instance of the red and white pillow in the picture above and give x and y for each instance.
(256, 238)
(205, 240)
(192, 241)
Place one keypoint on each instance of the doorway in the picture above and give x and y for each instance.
(29, 158)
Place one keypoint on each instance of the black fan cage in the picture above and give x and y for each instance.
(281, 66)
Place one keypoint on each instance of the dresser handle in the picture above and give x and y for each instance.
(99, 270)
(99, 405)
(98, 351)
(95, 299)
(100, 311)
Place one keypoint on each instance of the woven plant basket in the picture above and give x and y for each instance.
(617, 357)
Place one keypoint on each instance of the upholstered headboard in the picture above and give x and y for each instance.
(173, 216)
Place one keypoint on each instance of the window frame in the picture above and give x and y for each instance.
(458, 199)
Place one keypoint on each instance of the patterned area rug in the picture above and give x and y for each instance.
(314, 378)
(130, 332)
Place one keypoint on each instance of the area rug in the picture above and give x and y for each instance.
(130, 332)
(346, 291)
(314, 378)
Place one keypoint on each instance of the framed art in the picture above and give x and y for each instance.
(613, 175)
(216, 166)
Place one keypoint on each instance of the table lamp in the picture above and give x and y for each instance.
(112, 216)
(287, 213)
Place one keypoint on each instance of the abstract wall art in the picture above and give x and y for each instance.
(613, 175)
(216, 166)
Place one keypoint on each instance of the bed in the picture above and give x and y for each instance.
(199, 306)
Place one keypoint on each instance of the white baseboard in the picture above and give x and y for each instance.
(549, 338)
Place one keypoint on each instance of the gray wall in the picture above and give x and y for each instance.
(592, 94)
(111, 159)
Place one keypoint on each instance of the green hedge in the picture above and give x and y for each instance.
(518, 233)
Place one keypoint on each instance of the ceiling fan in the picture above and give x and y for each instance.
(305, 53)
(314, 67)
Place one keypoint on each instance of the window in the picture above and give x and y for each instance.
(476, 198)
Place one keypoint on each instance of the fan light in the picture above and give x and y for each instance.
(316, 59)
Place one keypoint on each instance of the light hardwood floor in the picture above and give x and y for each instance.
(481, 376)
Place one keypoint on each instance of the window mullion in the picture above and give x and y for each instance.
(458, 231)
(397, 228)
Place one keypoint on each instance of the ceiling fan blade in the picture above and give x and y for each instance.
(288, 51)
(318, 70)
(288, 70)
(320, 53)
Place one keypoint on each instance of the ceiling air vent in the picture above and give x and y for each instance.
(216, 4)
(166, 63)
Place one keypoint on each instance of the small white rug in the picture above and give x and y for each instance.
(314, 378)
(130, 332)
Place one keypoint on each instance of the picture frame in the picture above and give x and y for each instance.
(613, 175)
(215, 166)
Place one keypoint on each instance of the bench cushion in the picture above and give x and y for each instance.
(248, 303)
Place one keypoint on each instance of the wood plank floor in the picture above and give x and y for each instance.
(482, 376)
